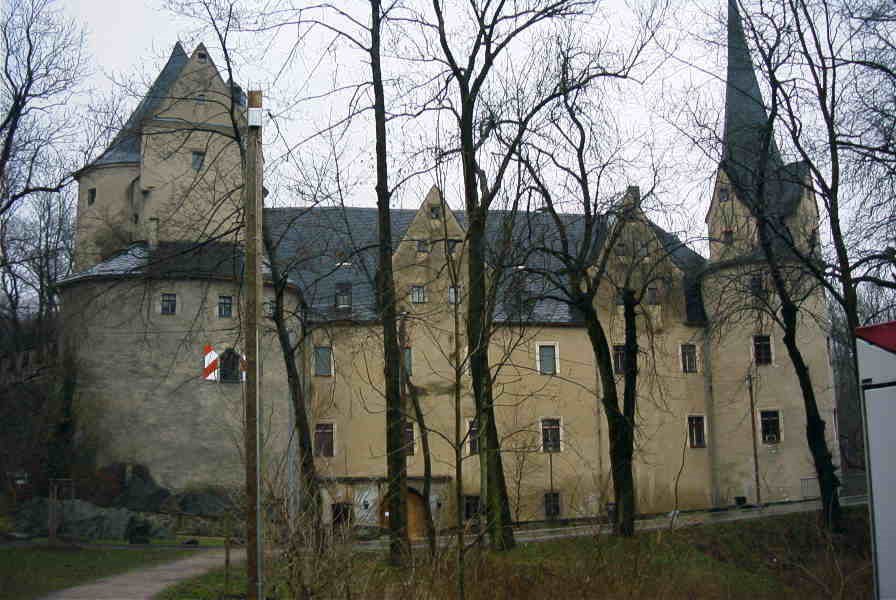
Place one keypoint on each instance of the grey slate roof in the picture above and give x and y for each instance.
(169, 260)
(125, 147)
(322, 247)
(746, 127)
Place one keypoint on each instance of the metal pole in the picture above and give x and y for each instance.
(753, 428)
(253, 213)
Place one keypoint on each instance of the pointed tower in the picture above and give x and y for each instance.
(170, 172)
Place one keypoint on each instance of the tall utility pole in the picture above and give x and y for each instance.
(253, 216)
(753, 428)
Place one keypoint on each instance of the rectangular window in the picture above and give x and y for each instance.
(225, 307)
(550, 435)
(169, 304)
(757, 285)
(724, 194)
(91, 196)
(619, 359)
(697, 431)
(435, 212)
(323, 439)
(727, 237)
(267, 309)
(422, 246)
(688, 358)
(552, 505)
(473, 436)
(762, 349)
(198, 159)
(408, 438)
(471, 507)
(323, 361)
(620, 298)
(454, 295)
(343, 296)
(418, 294)
(200, 98)
(452, 246)
(771, 426)
(652, 296)
(547, 359)
(409, 361)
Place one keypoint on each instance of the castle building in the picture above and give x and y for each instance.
(152, 316)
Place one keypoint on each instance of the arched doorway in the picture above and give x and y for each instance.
(416, 514)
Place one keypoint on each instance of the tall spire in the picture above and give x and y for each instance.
(746, 119)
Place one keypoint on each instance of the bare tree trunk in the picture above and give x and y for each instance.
(396, 466)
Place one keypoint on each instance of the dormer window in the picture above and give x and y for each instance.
(201, 57)
(422, 246)
(343, 296)
(435, 212)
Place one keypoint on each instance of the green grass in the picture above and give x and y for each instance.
(33, 571)
(776, 557)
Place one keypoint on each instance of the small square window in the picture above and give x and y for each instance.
(91, 196)
(324, 440)
(771, 426)
(547, 359)
(550, 435)
(201, 56)
(200, 98)
(169, 304)
(225, 307)
(552, 505)
(423, 246)
(323, 361)
(697, 431)
(724, 194)
(619, 359)
(454, 295)
(343, 296)
(688, 358)
(473, 436)
(198, 159)
(435, 212)
(451, 246)
(762, 349)
(418, 294)
(727, 237)
(409, 438)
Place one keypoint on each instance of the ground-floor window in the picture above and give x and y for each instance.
(323, 439)
(552, 505)
(471, 507)
(771, 426)
(697, 431)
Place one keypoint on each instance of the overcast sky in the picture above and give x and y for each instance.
(131, 39)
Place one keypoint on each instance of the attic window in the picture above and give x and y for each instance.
(201, 56)
(724, 195)
(435, 212)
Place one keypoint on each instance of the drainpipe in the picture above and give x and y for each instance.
(709, 401)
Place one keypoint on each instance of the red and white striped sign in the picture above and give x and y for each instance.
(210, 372)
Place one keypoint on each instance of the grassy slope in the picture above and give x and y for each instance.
(776, 557)
(31, 572)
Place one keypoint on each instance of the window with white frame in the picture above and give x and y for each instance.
(762, 350)
(418, 294)
(169, 304)
(770, 423)
(225, 307)
(546, 358)
(550, 435)
(619, 359)
(324, 439)
(697, 431)
(689, 358)
(323, 361)
(454, 295)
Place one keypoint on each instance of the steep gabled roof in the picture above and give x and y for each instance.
(125, 147)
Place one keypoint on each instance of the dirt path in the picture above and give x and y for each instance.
(146, 583)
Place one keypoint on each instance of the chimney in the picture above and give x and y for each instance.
(152, 236)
